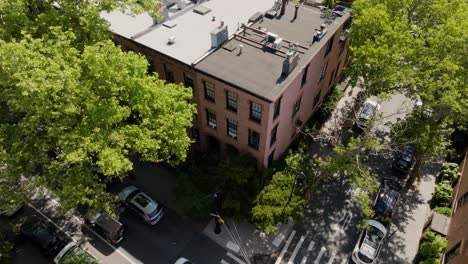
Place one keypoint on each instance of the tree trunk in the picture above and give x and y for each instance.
(415, 171)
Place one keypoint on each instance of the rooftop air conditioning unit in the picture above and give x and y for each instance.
(219, 35)
(232, 134)
(271, 37)
(277, 43)
(212, 124)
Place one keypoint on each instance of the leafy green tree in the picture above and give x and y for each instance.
(6, 248)
(431, 247)
(351, 161)
(442, 194)
(273, 206)
(329, 3)
(66, 113)
(418, 48)
(449, 171)
(443, 210)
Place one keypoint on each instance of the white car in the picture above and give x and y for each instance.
(142, 204)
(368, 111)
(369, 244)
(72, 250)
(183, 261)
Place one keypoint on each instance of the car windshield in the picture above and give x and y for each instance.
(42, 233)
(155, 211)
(364, 258)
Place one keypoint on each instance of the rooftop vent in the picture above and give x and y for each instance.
(229, 47)
(202, 10)
(319, 33)
(171, 40)
(169, 24)
(219, 35)
(256, 17)
(270, 37)
(291, 61)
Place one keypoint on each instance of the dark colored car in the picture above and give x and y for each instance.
(387, 198)
(405, 159)
(106, 226)
(43, 235)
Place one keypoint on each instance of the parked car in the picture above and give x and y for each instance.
(183, 261)
(387, 198)
(140, 203)
(368, 111)
(43, 234)
(405, 159)
(73, 251)
(369, 244)
(108, 227)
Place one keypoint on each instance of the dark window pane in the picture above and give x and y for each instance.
(169, 73)
(255, 112)
(209, 91)
(188, 80)
(232, 128)
(304, 75)
(297, 106)
(277, 108)
(254, 139)
(273, 135)
(211, 118)
(231, 101)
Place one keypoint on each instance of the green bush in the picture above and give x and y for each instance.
(449, 171)
(6, 248)
(444, 210)
(442, 195)
(431, 247)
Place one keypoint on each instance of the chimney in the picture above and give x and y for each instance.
(283, 7)
(295, 12)
(240, 48)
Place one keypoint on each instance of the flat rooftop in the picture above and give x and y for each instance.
(191, 30)
(257, 69)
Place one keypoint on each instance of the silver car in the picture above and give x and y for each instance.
(369, 244)
(140, 203)
(368, 111)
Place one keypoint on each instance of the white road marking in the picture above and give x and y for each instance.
(234, 257)
(296, 249)
(304, 260)
(330, 261)
(278, 239)
(311, 246)
(344, 261)
(224, 262)
(233, 246)
(317, 260)
(280, 258)
(76, 242)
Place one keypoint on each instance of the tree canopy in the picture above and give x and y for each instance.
(418, 48)
(74, 106)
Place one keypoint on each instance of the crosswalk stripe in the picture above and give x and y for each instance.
(311, 246)
(304, 260)
(317, 260)
(296, 249)
(330, 261)
(234, 257)
(290, 238)
(224, 262)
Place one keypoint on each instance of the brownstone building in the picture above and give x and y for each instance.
(456, 251)
(258, 69)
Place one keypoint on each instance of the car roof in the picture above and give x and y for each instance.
(387, 200)
(144, 202)
(104, 220)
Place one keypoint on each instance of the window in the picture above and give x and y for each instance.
(152, 65)
(188, 80)
(209, 91)
(211, 118)
(331, 77)
(277, 108)
(169, 73)
(196, 134)
(273, 135)
(254, 139)
(323, 71)
(452, 253)
(297, 106)
(270, 158)
(255, 112)
(462, 200)
(304, 75)
(231, 101)
(232, 128)
(316, 99)
(329, 45)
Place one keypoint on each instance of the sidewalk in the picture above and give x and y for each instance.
(408, 221)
